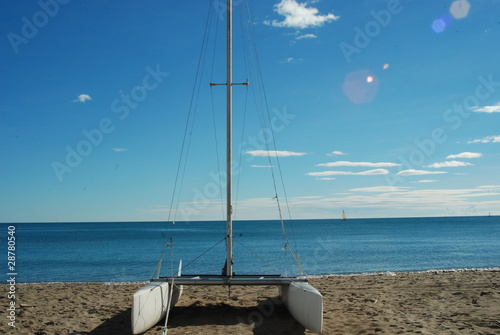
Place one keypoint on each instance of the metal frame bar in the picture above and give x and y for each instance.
(233, 280)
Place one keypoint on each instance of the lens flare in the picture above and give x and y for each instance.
(360, 87)
(441, 23)
(438, 26)
(460, 9)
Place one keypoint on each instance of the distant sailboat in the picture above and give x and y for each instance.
(344, 217)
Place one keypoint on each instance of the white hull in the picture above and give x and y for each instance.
(150, 304)
(305, 304)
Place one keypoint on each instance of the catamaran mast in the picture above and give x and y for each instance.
(229, 102)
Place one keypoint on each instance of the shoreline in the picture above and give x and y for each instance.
(465, 301)
(393, 273)
(376, 273)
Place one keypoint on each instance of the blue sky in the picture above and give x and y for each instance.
(379, 108)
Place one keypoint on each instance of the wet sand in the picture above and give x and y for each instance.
(433, 302)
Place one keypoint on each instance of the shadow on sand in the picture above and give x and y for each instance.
(268, 318)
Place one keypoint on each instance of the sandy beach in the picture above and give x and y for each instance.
(433, 302)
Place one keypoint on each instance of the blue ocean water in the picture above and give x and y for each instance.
(129, 251)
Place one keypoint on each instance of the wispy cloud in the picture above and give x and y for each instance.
(487, 139)
(82, 98)
(119, 149)
(487, 109)
(402, 201)
(289, 60)
(413, 172)
(448, 164)
(465, 155)
(301, 37)
(379, 189)
(364, 164)
(492, 187)
(348, 173)
(298, 15)
(272, 153)
(425, 181)
(333, 153)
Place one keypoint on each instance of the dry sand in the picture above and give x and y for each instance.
(455, 302)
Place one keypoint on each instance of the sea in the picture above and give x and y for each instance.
(131, 251)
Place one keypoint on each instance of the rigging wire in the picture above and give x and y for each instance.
(186, 141)
(203, 253)
(240, 155)
(157, 269)
(217, 154)
(260, 258)
(245, 106)
(264, 111)
(214, 119)
(187, 136)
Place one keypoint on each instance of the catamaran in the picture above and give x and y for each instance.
(153, 302)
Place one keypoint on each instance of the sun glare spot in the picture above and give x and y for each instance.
(360, 87)
(386, 66)
(460, 9)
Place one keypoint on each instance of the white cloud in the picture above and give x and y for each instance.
(425, 181)
(266, 153)
(448, 164)
(379, 189)
(305, 36)
(487, 139)
(365, 164)
(413, 172)
(333, 153)
(466, 155)
(372, 172)
(298, 15)
(487, 109)
(348, 173)
(490, 187)
(326, 178)
(119, 149)
(289, 60)
(82, 98)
